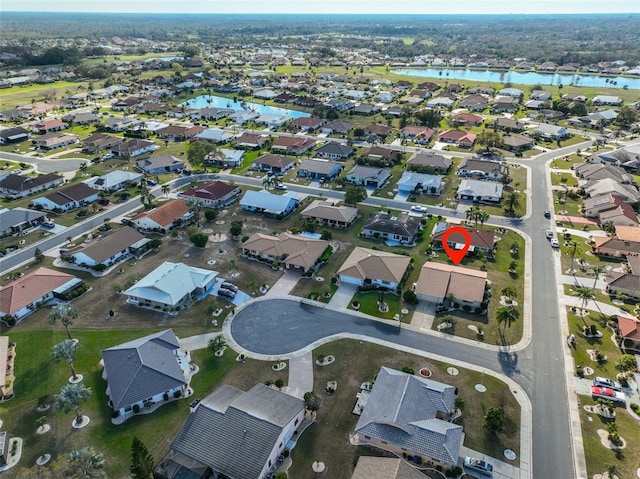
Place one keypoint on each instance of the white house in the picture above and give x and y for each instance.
(119, 245)
(114, 180)
(477, 190)
(68, 198)
(164, 217)
(171, 287)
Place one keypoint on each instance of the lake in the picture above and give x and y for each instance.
(213, 101)
(522, 78)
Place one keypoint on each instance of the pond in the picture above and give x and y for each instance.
(213, 101)
(523, 78)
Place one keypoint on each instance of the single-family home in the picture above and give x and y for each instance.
(429, 163)
(274, 164)
(481, 240)
(293, 145)
(326, 213)
(171, 287)
(417, 134)
(482, 169)
(212, 113)
(441, 101)
(334, 151)
(308, 123)
(86, 118)
(627, 193)
(160, 164)
(549, 132)
(626, 242)
(517, 143)
(15, 186)
(507, 124)
(629, 329)
(229, 426)
(368, 176)
(626, 282)
(225, 158)
(421, 182)
(391, 420)
(370, 267)
(269, 204)
(540, 95)
(337, 127)
(319, 169)
(466, 120)
(377, 131)
(215, 194)
(474, 102)
(107, 250)
(365, 109)
(479, 190)
(292, 250)
(114, 180)
(396, 230)
(620, 213)
(504, 104)
(48, 126)
(250, 141)
(145, 373)
(100, 142)
(461, 138)
(215, 136)
(511, 92)
(16, 220)
(54, 140)
(164, 217)
(13, 114)
(133, 148)
(598, 171)
(30, 292)
(438, 281)
(15, 134)
(68, 198)
(607, 100)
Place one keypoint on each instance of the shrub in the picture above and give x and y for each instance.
(199, 239)
(245, 238)
(177, 394)
(99, 267)
(477, 310)
(165, 396)
(279, 383)
(410, 297)
(210, 215)
(136, 408)
(466, 308)
(115, 414)
(635, 408)
(408, 370)
(593, 330)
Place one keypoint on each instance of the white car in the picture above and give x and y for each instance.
(419, 209)
(108, 156)
(608, 393)
(555, 243)
(280, 186)
(549, 234)
(607, 383)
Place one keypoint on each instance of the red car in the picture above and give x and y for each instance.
(607, 393)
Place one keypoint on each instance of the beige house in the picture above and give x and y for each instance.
(294, 251)
(326, 213)
(369, 267)
(625, 243)
(438, 280)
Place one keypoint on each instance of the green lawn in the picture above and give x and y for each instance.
(369, 304)
(566, 179)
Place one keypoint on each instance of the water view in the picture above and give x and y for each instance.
(213, 101)
(524, 78)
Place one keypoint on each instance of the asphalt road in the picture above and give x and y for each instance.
(44, 165)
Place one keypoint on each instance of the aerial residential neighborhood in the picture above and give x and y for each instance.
(331, 247)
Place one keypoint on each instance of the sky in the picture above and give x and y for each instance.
(326, 6)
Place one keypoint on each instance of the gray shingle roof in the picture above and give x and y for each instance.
(142, 368)
(402, 410)
(234, 432)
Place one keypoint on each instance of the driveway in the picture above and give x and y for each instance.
(285, 284)
(342, 297)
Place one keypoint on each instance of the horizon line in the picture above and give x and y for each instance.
(327, 13)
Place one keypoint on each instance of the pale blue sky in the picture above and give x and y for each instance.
(326, 6)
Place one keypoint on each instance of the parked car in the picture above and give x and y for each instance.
(547, 213)
(225, 293)
(607, 383)
(478, 465)
(108, 156)
(608, 393)
(48, 224)
(549, 234)
(419, 209)
(555, 243)
(280, 186)
(229, 286)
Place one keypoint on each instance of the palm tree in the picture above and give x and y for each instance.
(585, 294)
(69, 399)
(609, 227)
(512, 201)
(66, 351)
(87, 463)
(477, 215)
(195, 207)
(216, 344)
(165, 190)
(65, 313)
(268, 181)
(597, 269)
(505, 316)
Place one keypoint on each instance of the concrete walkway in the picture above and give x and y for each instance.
(199, 341)
(592, 305)
(423, 316)
(300, 374)
(342, 297)
(580, 281)
(285, 284)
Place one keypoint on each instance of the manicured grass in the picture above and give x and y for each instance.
(567, 162)
(566, 179)
(358, 361)
(369, 304)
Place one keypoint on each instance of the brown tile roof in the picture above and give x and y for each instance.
(31, 287)
(293, 143)
(210, 191)
(22, 183)
(295, 249)
(629, 327)
(77, 192)
(604, 244)
(434, 161)
(380, 152)
(327, 211)
(479, 238)
(628, 233)
(438, 279)
(107, 246)
(166, 213)
(365, 263)
(278, 161)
